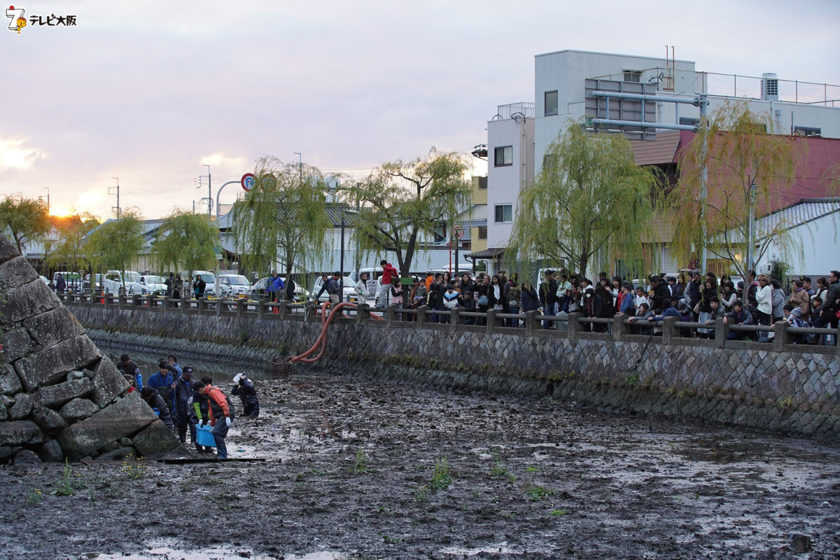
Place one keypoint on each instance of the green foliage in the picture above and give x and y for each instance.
(498, 468)
(360, 463)
(24, 219)
(589, 206)
(186, 242)
(134, 468)
(442, 478)
(421, 494)
(779, 270)
(35, 496)
(738, 147)
(403, 203)
(536, 493)
(558, 512)
(69, 252)
(116, 244)
(64, 487)
(283, 218)
(631, 381)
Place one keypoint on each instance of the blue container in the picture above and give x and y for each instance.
(204, 436)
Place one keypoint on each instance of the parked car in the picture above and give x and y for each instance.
(208, 277)
(113, 282)
(97, 283)
(72, 279)
(232, 285)
(147, 285)
(349, 290)
(44, 280)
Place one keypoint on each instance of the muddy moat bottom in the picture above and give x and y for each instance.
(362, 469)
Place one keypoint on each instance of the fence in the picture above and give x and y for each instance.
(573, 326)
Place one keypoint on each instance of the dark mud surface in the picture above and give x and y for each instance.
(351, 473)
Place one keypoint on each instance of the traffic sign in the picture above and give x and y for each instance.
(248, 181)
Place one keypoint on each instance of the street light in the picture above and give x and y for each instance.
(344, 212)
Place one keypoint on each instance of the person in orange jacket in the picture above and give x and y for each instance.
(222, 413)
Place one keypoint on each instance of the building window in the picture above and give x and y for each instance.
(806, 131)
(482, 232)
(689, 121)
(504, 156)
(550, 162)
(482, 182)
(550, 103)
(632, 76)
(504, 213)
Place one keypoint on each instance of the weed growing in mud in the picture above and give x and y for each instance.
(390, 540)
(421, 494)
(35, 496)
(134, 468)
(631, 381)
(360, 464)
(536, 493)
(785, 402)
(512, 478)
(442, 477)
(532, 469)
(65, 485)
(498, 468)
(558, 512)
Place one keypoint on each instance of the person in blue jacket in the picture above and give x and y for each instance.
(173, 366)
(275, 286)
(243, 387)
(164, 382)
(182, 395)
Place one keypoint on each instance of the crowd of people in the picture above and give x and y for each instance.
(690, 296)
(186, 405)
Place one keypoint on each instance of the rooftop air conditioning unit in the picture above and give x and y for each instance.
(769, 87)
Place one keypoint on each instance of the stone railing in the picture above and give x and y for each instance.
(572, 326)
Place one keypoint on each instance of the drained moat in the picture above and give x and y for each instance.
(358, 468)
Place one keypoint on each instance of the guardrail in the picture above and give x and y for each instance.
(779, 337)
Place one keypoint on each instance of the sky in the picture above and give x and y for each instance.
(149, 92)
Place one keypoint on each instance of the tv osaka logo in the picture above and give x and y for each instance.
(17, 19)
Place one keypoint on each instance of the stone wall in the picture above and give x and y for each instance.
(785, 388)
(59, 397)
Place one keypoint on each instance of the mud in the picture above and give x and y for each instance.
(351, 473)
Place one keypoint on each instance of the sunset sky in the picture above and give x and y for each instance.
(150, 91)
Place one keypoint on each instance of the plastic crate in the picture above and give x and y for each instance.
(204, 436)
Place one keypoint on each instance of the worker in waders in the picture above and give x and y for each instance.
(222, 413)
(244, 387)
(181, 395)
(199, 411)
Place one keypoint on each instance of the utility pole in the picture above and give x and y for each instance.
(300, 166)
(48, 199)
(209, 192)
(117, 192)
(704, 175)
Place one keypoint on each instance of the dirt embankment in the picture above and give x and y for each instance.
(364, 469)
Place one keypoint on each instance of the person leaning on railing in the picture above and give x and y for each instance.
(738, 316)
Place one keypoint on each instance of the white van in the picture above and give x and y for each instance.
(233, 285)
(113, 281)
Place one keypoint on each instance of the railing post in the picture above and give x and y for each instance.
(574, 326)
(135, 301)
(260, 308)
(241, 308)
(668, 330)
(781, 336)
(199, 305)
(421, 316)
(721, 330)
(219, 307)
(389, 314)
(455, 318)
(619, 329)
(284, 308)
(491, 320)
(362, 313)
(105, 299)
(531, 322)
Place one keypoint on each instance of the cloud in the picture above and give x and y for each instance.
(225, 163)
(13, 154)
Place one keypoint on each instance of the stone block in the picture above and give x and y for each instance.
(120, 454)
(20, 432)
(9, 381)
(27, 457)
(52, 327)
(108, 382)
(48, 420)
(57, 395)
(127, 416)
(6, 453)
(15, 273)
(155, 441)
(51, 452)
(27, 301)
(78, 409)
(22, 407)
(54, 362)
(8, 250)
(16, 345)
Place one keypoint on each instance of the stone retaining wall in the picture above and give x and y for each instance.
(748, 384)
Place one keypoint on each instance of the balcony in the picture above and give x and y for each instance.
(516, 110)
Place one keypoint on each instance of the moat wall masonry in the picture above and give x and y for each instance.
(59, 397)
(750, 385)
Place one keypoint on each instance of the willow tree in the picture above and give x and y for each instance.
(590, 204)
(117, 244)
(24, 219)
(69, 251)
(282, 220)
(186, 242)
(748, 167)
(403, 204)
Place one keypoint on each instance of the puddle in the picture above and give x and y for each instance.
(216, 553)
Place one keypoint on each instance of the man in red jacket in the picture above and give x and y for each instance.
(388, 275)
(222, 414)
